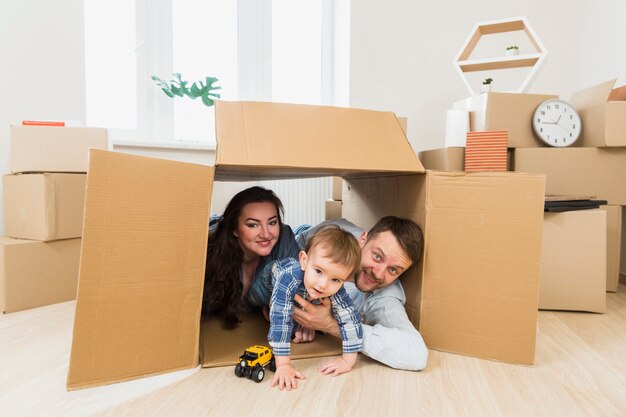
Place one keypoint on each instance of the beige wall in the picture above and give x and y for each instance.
(43, 66)
(402, 53)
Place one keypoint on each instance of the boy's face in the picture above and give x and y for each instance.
(322, 276)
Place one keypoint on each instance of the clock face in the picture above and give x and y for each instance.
(557, 123)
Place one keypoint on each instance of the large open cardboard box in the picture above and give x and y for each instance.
(145, 233)
(603, 114)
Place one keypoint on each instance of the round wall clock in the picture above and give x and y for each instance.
(557, 123)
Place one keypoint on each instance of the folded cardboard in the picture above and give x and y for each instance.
(600, 172)
(53, 148)
(505, 111)
(573, 261)
(35, 274)
(333, 209)
(443, 159)
(602, 112)
(613, 245)
(475, 290)
(44, 206)
(145, 233)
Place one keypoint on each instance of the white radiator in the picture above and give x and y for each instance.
(304, 199)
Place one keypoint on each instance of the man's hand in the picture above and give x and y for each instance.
(303, 335)
(318, 317)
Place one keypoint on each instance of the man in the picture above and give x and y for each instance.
(388, 250)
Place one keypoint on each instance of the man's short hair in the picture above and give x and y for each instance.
(407, 232)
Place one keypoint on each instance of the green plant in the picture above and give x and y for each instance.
(512, 47)
(179, 87)
(487, 81)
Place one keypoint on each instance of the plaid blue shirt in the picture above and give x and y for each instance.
(288, 280)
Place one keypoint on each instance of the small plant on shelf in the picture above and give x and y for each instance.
(512, 50)
(486, 87)
(198, 89)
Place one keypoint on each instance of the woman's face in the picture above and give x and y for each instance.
(257, 230)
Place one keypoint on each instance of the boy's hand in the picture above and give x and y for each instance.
(286, 377)
(339, 365)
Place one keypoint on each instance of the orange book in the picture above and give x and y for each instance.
(41, 123)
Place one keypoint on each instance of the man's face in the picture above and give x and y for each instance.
(382, 261)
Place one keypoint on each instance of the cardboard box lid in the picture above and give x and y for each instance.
(273, 140)
(141, 270)
(596, 95)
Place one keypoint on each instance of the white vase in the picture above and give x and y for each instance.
(485, 88)
(512, 52)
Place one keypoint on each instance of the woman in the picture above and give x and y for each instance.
(242, 242)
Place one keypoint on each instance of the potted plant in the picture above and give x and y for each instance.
(512, 50)
(486, 87)
(199, 89)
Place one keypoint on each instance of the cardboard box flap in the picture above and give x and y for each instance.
(141, 269)
(618, 94)
(319, 139)
(592, 96)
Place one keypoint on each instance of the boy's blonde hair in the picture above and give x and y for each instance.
(340, 246)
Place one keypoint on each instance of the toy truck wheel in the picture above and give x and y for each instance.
(273, 365)
(258, 374)
(238, 370)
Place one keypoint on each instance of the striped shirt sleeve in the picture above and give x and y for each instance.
(349, 321)
(286, 277)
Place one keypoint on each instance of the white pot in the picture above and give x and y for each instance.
(485, 88)
(512, 52)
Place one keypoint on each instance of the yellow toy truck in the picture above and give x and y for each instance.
(254, 361)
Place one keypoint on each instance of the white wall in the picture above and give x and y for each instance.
(402, 53)
(42, 73)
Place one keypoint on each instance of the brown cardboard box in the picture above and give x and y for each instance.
(613, 245)
(600, 172)
(337, 188)
(475, 291)
(44, 206)
(333, 209)
(443, 159)
(54, 149)
(505, 111)
(573, 261)
(35, 274)
(603, 115)
(622, 273)
(145, 231)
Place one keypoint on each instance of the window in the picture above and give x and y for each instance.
(266, 50)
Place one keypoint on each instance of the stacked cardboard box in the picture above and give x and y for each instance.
(43, 201)
(595, 167)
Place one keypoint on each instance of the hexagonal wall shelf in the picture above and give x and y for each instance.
(464, 64)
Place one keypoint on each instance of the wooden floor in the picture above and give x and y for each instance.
(580, 370)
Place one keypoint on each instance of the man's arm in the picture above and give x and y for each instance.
(389, 335)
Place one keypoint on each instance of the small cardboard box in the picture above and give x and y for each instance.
(505, 111)
(613, 245)
(443, 159)
(600, 172)
(35, 274)
(337, 188)
(53, 148)
(573, 261)
(146, 225)
(44, 206)
(333, 209)
(602, 111)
